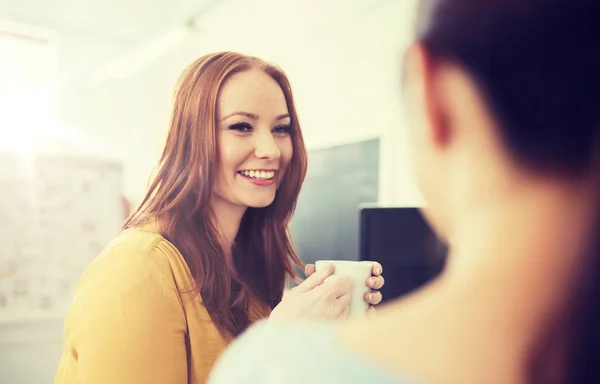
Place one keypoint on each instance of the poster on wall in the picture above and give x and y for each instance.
(56, 215)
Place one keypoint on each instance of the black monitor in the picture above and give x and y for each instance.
(404, 243)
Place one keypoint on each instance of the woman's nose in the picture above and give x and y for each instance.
(266, 147)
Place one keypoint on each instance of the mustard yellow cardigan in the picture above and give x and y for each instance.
(133, 322)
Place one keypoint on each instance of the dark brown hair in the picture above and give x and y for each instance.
(537, 63)
(179, 195)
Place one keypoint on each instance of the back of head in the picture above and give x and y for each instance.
(537, 64)
(536, 61)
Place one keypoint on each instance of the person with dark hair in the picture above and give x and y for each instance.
(503, 110)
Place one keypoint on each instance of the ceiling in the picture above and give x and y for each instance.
(99, 39)
(107, 20)
(91, 33)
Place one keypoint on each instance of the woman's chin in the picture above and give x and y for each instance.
(260, 202)
(260, 205)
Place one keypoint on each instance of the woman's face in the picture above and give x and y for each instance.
(255, 141)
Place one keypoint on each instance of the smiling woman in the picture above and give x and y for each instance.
(207, 252)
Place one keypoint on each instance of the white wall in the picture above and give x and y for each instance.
(344, 69)
(397, 180)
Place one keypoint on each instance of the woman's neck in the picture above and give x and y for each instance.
(513, 266)
(506, 284)
(228, 218)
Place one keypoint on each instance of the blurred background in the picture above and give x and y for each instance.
(85, 97)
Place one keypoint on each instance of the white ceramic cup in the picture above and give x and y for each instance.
(359, 272)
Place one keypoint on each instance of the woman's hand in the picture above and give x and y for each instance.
(375, 282)
(315, 300)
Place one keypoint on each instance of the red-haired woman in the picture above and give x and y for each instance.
(207, 252)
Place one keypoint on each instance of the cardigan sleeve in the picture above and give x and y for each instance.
(126, 323)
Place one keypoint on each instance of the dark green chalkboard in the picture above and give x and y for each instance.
(339, 180)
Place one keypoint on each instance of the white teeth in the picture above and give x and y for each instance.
(259, 175)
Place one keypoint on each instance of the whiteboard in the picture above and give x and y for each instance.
(57, 213)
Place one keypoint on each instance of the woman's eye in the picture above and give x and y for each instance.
(283, 129)
(242, 127)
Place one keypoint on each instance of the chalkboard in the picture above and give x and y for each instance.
(56, 215)
(338, 181)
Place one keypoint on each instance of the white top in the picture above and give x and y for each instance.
(303, 352)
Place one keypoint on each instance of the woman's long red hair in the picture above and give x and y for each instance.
(179, 195)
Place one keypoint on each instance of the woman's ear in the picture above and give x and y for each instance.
(421, 79)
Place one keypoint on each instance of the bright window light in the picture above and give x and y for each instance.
(28, 74)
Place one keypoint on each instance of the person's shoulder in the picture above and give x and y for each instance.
(126, 308)
(280, 352)
(243, 360)
(136, 255)
(268, 353)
